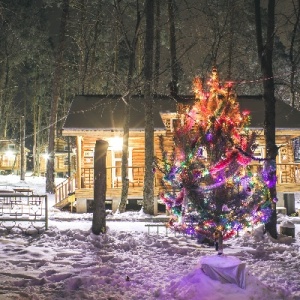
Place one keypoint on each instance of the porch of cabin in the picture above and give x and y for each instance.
(85, 194)
(288, 181)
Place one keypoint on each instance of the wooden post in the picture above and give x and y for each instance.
(99, 217)
(69, 158)
(78, 157)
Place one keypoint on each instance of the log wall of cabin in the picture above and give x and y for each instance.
(9, 162)
(61, 167)
(286, 168)
(136, 142)
(9, 165)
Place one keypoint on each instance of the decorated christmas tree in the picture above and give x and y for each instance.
(208, 183)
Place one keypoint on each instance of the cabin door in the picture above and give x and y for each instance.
(116, 170)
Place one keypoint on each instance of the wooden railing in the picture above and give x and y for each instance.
(87, 177)
(288, 173)
(113, 181)
(64, 189)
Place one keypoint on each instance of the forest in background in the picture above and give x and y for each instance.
(100, 50)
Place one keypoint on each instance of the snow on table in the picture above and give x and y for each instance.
(226, 269)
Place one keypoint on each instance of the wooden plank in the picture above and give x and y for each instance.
(288, 187)
(112, 193)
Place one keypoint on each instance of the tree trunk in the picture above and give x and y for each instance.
(132, 50)
(125, 180)
(148, 192)
(34, 146)
(293, 59)
(4, 98)
(265, 56)
(99, 217)
(173, 55)
(231, 39)
(22, 152)
(38, 140)
(157, 47)
(50, 184)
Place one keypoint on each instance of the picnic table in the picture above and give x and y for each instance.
(27, 191)
(10, 197)
(6, 191)
(226, 269)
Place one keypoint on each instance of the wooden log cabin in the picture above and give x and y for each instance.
(10, 157)
(65, 159)
(101, 117)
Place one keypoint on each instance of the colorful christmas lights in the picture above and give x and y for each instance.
(208, 183)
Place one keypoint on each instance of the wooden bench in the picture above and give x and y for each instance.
(26, 191)
(17, 208)
(157, 226)
(281, 210)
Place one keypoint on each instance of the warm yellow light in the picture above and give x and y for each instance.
(46, 156)
(116, 143)
(9, 153)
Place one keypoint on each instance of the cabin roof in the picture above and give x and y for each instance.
(286, 117)
(105, 113)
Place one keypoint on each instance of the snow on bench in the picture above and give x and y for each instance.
(157, 226)
(19, 208)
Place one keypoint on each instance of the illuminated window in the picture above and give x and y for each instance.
(11, 146)
(296, 148)
(259, 152)
(117, 165)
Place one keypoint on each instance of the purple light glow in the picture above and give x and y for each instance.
(209, 137)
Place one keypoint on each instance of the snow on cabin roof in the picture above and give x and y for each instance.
(106, 113)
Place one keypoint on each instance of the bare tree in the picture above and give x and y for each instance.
(99, 216)
(131, 47)
(172, 43)
(157, 45)
(148, 192)
(294, 53)
(50, 184)
(265, 56)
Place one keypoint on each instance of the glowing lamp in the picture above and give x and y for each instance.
(46, 156)
(9, 153)
(116, 143)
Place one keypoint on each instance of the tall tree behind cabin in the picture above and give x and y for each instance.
(131, 46)
(57, 76)
(148, 192)
(265, 57)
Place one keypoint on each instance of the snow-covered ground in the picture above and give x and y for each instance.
(69, 262)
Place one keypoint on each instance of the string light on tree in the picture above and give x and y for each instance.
(208, 182)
